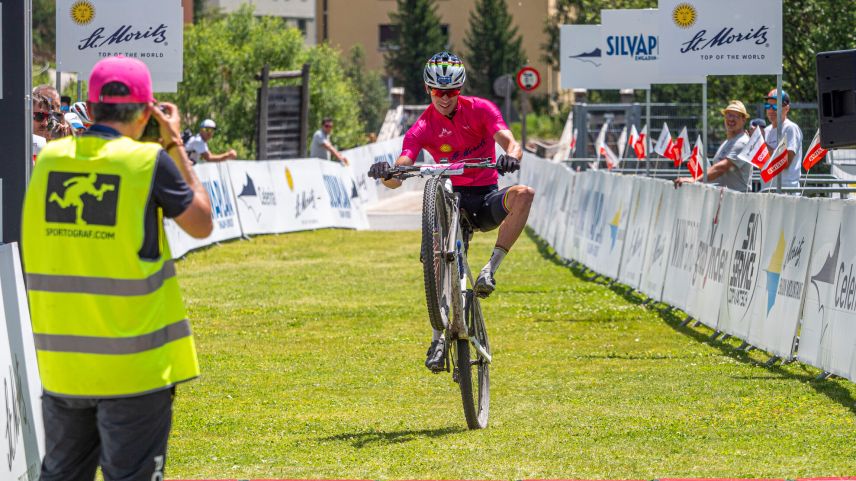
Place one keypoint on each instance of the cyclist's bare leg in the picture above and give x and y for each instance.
(518, 200)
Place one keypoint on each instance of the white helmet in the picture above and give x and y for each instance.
(79, 108)
(207, 124)
(445, 71)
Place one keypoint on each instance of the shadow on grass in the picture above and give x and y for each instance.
(675, 319)
(366, 438)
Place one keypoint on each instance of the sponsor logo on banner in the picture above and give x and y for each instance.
(684, 15)
(595, 233)
(746, 254)
(221, 203)
(254, 197)
(841, 276)
(638, 46)
(712, 258)
(82, 12)
(339, 198)
(782, 258)
(15, 414)
(615, 231)
(593, 57)
(683, 245)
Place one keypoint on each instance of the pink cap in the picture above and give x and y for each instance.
(129, 71)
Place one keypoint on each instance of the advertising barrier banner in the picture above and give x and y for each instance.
(342, 196)
(659, 242)
(264, 202)
(725, 37)
(645, 199)
(828, 333)
(617, 194)
(746, 214)
(361, 158)
(690, 204)
(151, 31)
(709, 269)
(775, 313)
(22, 423)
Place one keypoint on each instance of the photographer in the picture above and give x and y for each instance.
(112, 334)
(57, 125)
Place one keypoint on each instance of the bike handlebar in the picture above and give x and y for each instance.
(437, 170)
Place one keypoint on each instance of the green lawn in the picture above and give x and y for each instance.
(312, 344)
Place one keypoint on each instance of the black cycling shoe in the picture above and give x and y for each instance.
(485, 284)
(436, 356)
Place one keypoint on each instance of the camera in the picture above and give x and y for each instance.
(152, 131)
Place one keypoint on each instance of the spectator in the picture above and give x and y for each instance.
(64, 103)
(41, 117)
(791, 174)
(112, 336)
(197, 146)
(728, 170)
(754, 124)
(321, 147)
(57, 124)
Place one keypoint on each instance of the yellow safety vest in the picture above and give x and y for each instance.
(107, 323)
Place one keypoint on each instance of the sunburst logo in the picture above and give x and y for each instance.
(289, 179)
(82, 12)
(684, 15)
(445, 148)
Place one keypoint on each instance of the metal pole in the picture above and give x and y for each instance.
(779, 127)
(59, 81)
(704, 128)
(523, 120)
(78, 88)
(648, 137)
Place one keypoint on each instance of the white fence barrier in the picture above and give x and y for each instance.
(755, 266)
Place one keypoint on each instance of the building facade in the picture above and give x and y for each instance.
(297, 13)
(345, 23)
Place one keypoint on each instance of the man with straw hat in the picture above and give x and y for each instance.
(728, 170)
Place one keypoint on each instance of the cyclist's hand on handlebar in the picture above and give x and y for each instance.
(506, 163)
(380, 170)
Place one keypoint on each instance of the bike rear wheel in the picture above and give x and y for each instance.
(438, 272)
(472, 369)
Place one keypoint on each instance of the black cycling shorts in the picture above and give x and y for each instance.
(485, 204)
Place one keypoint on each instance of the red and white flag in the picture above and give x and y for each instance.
(664, 142)
(573, 143)
(680, 148)
(756, 151)
(779, 161)
(622, 143)
(601, 140)
(815, 154)
(695, 160)
(638, 141)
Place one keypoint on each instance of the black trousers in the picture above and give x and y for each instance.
(127, 437)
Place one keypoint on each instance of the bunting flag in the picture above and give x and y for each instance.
(756, 151)
(815, 154)
(639, 143)
(573, 143)
(779, 161)
(612, 160)
(664, 143)
(601, 140)
(694, 163)
(622, 143)
(680, 148)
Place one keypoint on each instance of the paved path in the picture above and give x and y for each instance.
(400, 212)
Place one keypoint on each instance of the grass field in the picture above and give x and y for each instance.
(312, 344)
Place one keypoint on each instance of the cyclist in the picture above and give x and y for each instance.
(455, 128)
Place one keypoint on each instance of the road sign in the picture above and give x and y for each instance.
(528, 79)
(503, 85)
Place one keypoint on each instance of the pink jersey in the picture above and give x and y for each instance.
(468, 135)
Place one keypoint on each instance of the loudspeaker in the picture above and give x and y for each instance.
(836, 94)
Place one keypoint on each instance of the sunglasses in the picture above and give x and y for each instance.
(775, 107)
(328, 126)
(41, 116)
(445, 92)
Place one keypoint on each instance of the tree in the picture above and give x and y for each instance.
(44, 31)
(222, 56)
(494, 46)
(419, 37)
(374, 99)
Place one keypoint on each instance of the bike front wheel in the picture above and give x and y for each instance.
(440, 274)
(472, 368)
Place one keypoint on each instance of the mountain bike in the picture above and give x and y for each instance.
(452, 307)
